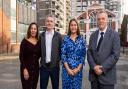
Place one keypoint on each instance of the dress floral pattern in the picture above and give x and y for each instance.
(72, 52)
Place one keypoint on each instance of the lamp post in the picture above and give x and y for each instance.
(2, 27)
(17, 21)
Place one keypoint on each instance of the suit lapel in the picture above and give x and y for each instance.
(43, 46)
(105, 39)
(95, 39)
(53, 44)
(53, 39)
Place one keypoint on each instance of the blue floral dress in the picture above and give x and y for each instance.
(72, 52)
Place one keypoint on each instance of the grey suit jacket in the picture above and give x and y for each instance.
(107, 56)
(56, 50)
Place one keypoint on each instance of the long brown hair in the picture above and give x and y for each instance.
(69, 30)
(29, 31)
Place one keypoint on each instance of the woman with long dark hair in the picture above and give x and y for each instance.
(73, 55)
(29, 58)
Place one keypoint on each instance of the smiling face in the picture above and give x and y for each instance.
(73, 27)
(50, 24)
(33, 30)
(102, 19)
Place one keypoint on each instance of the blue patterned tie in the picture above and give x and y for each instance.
(99, 43)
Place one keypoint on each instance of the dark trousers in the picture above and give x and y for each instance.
(97, 85)
(53, 74)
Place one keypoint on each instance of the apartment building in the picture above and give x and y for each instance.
(59, 8)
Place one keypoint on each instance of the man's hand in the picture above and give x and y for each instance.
(98, 69)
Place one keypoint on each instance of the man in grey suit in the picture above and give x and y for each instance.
(103, 54)
(50, 43)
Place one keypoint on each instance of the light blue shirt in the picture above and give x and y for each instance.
(48, 41)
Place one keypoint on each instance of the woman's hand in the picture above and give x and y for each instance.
(26, 74)
(70, 72)
(75, 71)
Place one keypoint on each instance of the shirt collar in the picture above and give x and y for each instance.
(103, 30)
(50, 32)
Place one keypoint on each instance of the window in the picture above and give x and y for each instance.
(22, 31)
(93, 22)
(13, 21)
(0, 3)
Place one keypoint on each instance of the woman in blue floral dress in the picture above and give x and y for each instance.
(73, 52)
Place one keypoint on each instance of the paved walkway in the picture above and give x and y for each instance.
(9, 56)
(10, 74)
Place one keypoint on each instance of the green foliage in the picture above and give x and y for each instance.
(24, 1)
(28, 0)
(123, 35)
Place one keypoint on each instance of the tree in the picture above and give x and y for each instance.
(123, 35)
(25, 1)
(28, 0)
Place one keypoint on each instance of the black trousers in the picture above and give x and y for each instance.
(53, 74)
(97, 85)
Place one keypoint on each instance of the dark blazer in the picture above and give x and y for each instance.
(107, 56)
(55, 53)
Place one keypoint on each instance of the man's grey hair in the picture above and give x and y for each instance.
(52, 16)
(102, 11)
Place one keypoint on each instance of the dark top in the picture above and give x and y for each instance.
(29, 59)
(29, 55)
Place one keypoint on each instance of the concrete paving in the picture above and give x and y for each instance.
(10, 74)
